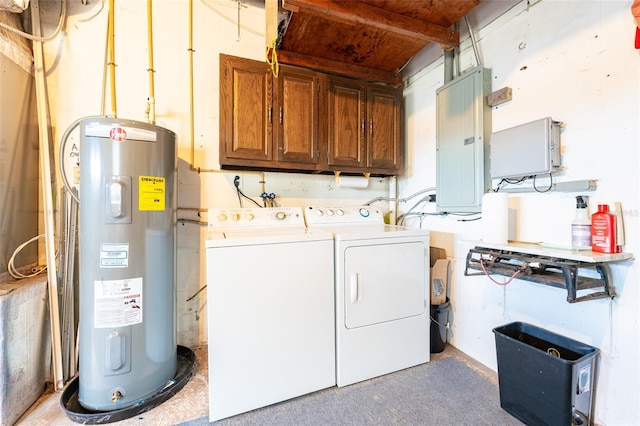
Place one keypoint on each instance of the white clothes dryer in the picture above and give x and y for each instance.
(382, 292)
(270, 300)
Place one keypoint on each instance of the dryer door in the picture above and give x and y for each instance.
(384, 282)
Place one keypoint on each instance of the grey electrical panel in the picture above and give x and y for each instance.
(463, 127)
(526, 150)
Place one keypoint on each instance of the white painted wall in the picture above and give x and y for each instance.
(580, 68)
(573, 61)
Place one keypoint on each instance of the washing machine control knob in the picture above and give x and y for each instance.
(235, 216)
(329, 212)
(250, 216)
(340, 212)
(281, 215)
(222, 217)
(319, 212)
(364, 212)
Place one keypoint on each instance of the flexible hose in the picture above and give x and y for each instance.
(63, 15)
(63, 144)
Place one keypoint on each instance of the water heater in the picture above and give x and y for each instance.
(127, 261)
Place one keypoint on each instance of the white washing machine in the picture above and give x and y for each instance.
(382, 292)
(270, 299)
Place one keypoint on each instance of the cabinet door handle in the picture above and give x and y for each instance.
(281, 113)
(362, 127)
(371, 126)
(270, 115)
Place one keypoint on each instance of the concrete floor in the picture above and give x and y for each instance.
(190, 403)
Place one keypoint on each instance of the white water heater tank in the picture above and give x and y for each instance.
(128, 348)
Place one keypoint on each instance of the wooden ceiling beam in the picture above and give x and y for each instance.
(339, 68)
(354, 12)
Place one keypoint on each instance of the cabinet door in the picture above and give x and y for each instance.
(245, 111)
(296, 126)
(384, 132)
(346, 105)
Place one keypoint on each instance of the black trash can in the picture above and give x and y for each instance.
(439, 326)
(545, 378)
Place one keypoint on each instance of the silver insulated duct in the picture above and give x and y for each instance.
(127, 261)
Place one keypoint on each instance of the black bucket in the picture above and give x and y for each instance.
(439, 326)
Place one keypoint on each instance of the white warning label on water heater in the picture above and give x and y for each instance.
(117, 303)
(114, 255)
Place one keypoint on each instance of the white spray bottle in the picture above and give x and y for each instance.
(581, 226)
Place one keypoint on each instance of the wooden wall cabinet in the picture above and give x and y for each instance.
(246, 114)
(296, 135)
(364, 127)
(266, 122)
(307, 121)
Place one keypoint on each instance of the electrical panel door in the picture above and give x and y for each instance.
(462, 142)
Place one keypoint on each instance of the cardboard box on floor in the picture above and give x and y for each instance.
(439, 275)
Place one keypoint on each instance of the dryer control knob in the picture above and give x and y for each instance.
(364, 212)
(281, 215)
(250, 216)
(235, 216)
(222, 217)
(319, 212)
(340, 212)
(329, 212)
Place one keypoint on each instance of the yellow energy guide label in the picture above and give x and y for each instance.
(151, 193)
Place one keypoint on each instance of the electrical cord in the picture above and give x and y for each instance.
(505, 181)
(11, 267)
(470, 220)
(546, 190)
(484, 269)
(236, 183)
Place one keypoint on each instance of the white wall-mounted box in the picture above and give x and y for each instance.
(463, 127)
(526, 150)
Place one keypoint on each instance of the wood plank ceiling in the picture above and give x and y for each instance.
(366, 39)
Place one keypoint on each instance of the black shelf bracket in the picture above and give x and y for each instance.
(547, 270)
